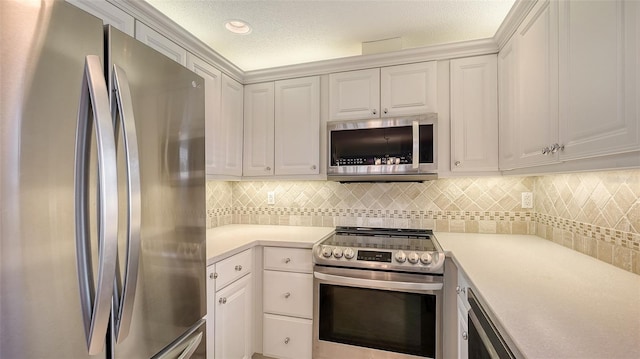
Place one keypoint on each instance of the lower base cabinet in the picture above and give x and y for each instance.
(234, 320)
(287, 337)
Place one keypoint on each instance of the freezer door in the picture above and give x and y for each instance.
(44, 45)
(168, 108)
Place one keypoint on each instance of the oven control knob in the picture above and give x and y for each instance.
(349, 253)
(400, 257)
(337, 252)
(327, 251)
(413, 258)
(425, 258)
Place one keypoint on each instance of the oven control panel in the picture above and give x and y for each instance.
(413, 261)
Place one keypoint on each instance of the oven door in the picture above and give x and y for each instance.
(375, 314)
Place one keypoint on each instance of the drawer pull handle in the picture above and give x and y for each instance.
(287, 260)
(287, 295)
(238, 268)
(286, 340)
(222, 300)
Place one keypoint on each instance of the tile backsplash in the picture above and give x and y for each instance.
(596, 213)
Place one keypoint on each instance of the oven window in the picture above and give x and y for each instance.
(386, 320)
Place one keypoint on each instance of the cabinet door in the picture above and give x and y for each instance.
(230, 131)
(211, 310)
(599, 78)
(354, 95)
(212, 82)
(258, 130)
(297, 126)
(463, 334)
(408, 89)
(234, 320)
(109, 14)
(158, 42)
(537, 85)
(474, 114)
(507, 88)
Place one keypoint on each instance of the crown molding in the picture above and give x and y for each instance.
(150, 16)
(421, 54)
(514, 18)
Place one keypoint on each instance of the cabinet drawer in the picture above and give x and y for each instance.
(286, 337)
(288, 259)
(233, 268)
(288, 293)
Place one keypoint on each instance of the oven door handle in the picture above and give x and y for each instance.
(382, 284)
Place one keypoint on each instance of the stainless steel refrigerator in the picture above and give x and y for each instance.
(102, 217)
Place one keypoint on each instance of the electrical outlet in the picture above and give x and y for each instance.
(271, 197)
(527, 200)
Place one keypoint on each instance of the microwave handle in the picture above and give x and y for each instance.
(416, 145)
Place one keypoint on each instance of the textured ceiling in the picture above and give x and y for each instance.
(293, 32)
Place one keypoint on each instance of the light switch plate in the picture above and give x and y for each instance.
(271, 197)
(527, 200)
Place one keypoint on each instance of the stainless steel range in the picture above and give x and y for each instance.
(378, 294)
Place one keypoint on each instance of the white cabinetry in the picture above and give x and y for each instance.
(354, 95)
(158, 42)
(282, 134)
(229, 130)
(230, 308)
(110, 14)
(212, 80)
(569, 86)
(474, 114)
(463, 316)
(534, 123)
(297, 126)
(599, 78)
(387, 92)
(287, 303)
(258, 130)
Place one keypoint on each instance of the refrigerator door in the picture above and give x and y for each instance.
(168, 108)
(44, 46)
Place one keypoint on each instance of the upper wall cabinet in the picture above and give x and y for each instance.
(573, 70)
(156, 41)
(297, 126)
(109, 14)
(212, 80)
(387, 92)
(229, 131)
(474, 114)
(258, 130)
(534, 123)
(599, 78)
(282, 128)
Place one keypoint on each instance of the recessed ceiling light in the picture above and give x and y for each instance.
(237, 27)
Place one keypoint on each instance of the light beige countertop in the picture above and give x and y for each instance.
(225, 241)
(553, 302)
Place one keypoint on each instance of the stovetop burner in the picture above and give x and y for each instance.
(407, 250)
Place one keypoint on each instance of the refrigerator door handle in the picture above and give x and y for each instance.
(195, 343)
(123, 105)
(95, 299)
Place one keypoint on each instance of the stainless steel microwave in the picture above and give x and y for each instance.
(383, 150)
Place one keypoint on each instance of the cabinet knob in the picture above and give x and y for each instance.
(386, 111)
(457, 163)
(287, 295)
(238, 268)
(268, 169)
(287, 260)
(222, 300)
(375, 112)
(313, 167)
(213, 275)
(556, 147)
(286, 340)
(465, 335)
(546, 151)
(460, 289)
